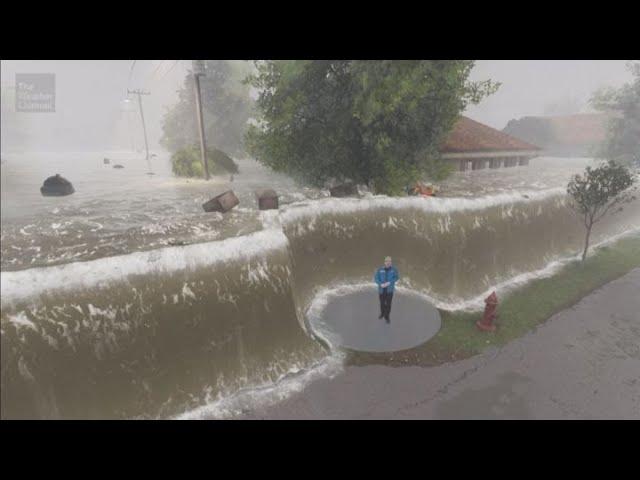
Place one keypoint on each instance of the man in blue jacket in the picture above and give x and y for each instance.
(386, 278)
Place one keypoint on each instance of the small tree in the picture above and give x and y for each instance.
(599, 191)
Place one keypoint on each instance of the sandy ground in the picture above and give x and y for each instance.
(584, 363)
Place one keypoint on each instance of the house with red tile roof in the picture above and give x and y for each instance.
(473, 145)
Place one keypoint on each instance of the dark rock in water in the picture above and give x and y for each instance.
(344, 190)
(177, 243)
(117, 165)
(267, 199)
(222, 203)
(56, 186)
(106, 161)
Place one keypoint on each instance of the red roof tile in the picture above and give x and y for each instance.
(470, 136)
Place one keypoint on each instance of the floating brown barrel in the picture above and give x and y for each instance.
(221, 203)
(267, 199)
(56, 186)
(344, 190)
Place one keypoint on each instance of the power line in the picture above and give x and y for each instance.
(171, 68)
(199, 70)
(154, 74)
(133, 64)
(157, 68)
(139, 93)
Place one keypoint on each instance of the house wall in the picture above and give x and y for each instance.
(470, 163)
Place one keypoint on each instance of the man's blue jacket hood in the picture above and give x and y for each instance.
(382, 276)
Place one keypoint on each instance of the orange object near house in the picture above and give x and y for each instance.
(491, 305)
(423, 190)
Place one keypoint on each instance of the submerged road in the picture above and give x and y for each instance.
(584, 363)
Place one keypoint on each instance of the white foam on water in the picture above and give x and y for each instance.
(516, 281)
(322, 298)
(20, 320)
(25, 284)
(109, 313)
(187, 292)
(298, 211)
(250, 399)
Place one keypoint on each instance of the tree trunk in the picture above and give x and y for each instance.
(586, 242)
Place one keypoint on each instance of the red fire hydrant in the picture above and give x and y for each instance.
(486, 324)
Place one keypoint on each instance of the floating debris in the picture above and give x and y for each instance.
(267, 199)
(222, 203)
(344, 190)
(56, 186)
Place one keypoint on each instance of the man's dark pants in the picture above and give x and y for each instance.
(385, 303)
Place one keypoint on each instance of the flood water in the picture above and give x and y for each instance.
(116, 211)
(127, 300)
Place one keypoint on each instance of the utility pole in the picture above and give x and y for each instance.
(133, 145)
(198, 70)
(139, 93)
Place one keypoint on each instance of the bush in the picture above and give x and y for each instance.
(187, 163)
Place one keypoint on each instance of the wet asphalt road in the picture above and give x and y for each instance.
(584, 363)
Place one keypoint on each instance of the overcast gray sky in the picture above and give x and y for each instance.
(90, 113)
(533, 87)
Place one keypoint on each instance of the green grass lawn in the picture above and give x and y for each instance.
(518, 312)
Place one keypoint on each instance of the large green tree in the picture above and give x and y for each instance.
(226, 107)
(623, 140)
(373, 122)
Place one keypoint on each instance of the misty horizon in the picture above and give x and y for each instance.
(92, 112)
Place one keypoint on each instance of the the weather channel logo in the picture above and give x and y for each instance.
(35, 92)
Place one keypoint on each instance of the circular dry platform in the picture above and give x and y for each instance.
(351, 320)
